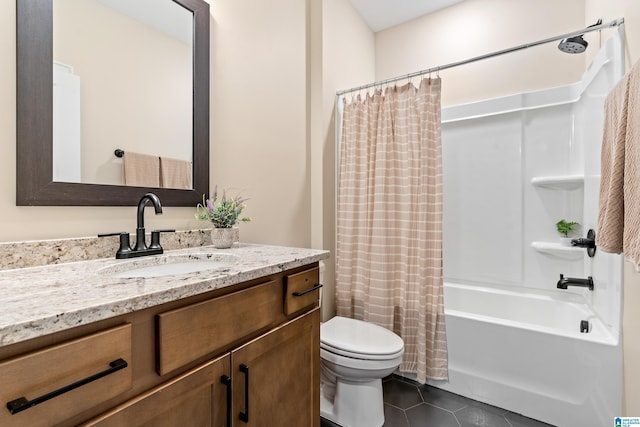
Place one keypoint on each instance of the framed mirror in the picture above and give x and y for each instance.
(35, 183)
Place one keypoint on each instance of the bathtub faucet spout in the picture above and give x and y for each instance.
(565, 282)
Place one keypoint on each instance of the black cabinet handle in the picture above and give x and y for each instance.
(21, 403)
(226, 380)
(299, 294)
(244, 416)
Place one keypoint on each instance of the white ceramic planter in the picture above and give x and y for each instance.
(223, 238)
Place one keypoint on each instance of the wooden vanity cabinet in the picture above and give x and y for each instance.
(247, 355)
(273, 381)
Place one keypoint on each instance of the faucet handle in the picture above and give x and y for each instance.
(125, 247)
(155, 238)
(110, 234)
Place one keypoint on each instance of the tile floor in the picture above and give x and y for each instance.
(409, 404)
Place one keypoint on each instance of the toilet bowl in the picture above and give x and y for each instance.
(354, 357)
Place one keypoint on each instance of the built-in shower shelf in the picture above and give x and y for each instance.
(558, 250)
(560, 182)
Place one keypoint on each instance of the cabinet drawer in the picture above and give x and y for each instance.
(301, 290)
(191, 332)
(64, 380)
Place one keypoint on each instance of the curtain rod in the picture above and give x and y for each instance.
(614, 23)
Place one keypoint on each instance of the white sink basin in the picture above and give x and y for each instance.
(169, 265)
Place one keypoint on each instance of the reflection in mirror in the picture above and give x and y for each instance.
(137, 119)
(113, 89)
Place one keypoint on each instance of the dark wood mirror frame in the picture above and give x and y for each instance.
(34, 151)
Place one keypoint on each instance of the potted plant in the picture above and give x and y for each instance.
(224, 214)
(565, 228)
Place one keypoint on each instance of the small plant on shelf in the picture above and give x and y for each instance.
(565, 228)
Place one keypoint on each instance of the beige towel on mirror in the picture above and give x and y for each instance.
(141, 170)
(619, 217)
(175, 173)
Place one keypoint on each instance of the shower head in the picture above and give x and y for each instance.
(576, 44)
(573, 45)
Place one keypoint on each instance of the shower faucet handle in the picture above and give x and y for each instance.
(589, 243)
(583, 242)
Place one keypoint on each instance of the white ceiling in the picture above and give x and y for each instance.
(382, 14)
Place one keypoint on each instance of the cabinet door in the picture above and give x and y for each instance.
(197, 398)
(276, 380)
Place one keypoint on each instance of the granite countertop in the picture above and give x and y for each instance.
(36, 301)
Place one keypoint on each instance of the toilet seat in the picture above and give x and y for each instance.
(359, 340)
(360, 356)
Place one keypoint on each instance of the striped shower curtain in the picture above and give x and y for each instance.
(389, 221)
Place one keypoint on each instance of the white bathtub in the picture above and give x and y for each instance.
(523, 351)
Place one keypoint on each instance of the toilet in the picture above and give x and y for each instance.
(354, 357)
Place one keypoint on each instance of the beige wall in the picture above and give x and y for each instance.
(630, 10)
(477, 27)
(348, 59)
(259, 141)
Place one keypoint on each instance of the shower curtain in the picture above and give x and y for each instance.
(389, 221)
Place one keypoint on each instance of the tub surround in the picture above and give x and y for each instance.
(514, 338)
(41, 300)
(521, 163)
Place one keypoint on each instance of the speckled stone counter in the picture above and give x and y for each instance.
(41, 300)
(58, 251)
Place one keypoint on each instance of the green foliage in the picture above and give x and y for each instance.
(564, 227)
(224, 213)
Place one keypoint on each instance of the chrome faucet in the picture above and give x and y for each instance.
(565, 282)
(141, 249)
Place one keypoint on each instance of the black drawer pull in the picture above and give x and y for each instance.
(21, 403)
(299, 294)
(226, 380)
(244, 416)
